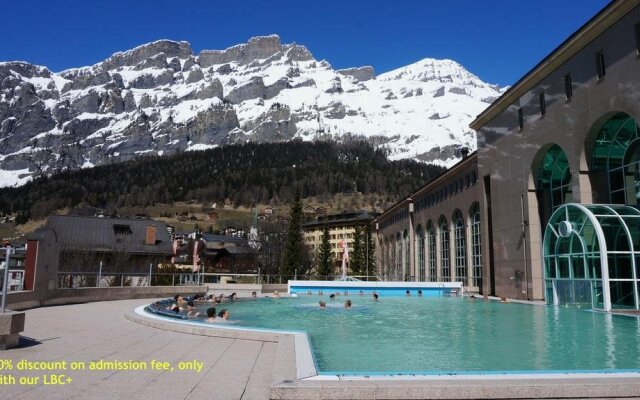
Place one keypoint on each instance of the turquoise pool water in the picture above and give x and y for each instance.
(447, 334)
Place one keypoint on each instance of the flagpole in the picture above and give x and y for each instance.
(345, 259)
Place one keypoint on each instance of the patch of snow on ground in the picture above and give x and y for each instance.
(14, 178)
(201, 146)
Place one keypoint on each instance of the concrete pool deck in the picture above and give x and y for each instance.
(238, 365)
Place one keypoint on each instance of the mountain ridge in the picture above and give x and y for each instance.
(162, 98)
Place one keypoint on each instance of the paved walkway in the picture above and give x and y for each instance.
(233, 368)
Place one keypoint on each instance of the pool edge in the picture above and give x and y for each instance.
(294, 375)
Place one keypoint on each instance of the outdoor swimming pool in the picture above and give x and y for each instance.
(446, 335)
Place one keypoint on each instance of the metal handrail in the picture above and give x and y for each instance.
(77, 279)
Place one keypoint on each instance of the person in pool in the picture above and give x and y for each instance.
(322, 304)
(375, 297)
(211, 314)
(347, 304)
(178, 305)
(254, 295)
(332, 296)
(419, 293)
(224, 314)
(191, 310)
(408, 293)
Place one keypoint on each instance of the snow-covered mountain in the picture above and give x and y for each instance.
(160, 98)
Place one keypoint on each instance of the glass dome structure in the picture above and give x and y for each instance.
(592, 256)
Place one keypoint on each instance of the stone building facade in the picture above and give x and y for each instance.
(566, 132)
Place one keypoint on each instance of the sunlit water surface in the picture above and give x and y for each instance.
(446, 334)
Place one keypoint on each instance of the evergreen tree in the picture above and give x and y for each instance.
(325, 261)
(357, 260)
(294, 250)
(241, 174)
(370, 252)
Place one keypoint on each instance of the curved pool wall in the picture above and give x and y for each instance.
(296, 377)
(429, 289)
(296, 342)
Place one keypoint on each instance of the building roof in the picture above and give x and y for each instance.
(108, 234)
(438, 180)
(231, 244)
(567, 49)
(354, 217)
(211, 238)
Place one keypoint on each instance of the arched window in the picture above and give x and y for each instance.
(553, 184)
(445, 266)
(460, 248)
(476, 246)
(420, 247)
(431, 244)
(617, 152)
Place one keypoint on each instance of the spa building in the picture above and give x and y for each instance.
(547, 207)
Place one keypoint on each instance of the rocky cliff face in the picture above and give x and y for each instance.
(161, 98)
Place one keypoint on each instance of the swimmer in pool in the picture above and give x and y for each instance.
(211, 314)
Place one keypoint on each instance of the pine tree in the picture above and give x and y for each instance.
(294, 250)
(357, 260)
(370, 252)
(325, 262)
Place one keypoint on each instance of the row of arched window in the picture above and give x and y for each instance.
(397, 217)
(456, 185)
(445, 251)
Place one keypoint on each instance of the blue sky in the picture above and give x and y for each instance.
(498, 40)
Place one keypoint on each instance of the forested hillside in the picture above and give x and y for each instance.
(243, 174)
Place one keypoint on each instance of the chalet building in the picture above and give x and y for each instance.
(228, 254)
(73, 244)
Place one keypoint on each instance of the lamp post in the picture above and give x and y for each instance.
(99, 274)
(5, 280)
